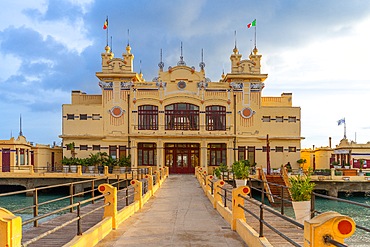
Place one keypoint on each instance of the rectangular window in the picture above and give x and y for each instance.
(266, 119)
(147, 154)
(216, 154)
(264, 149)
(83, 116)
(113, 152)
(83, 147)
(95, 116)
(292, 149)
(251, 154)
(96, 147)
(292, 119)
(279, 149)
(122, 151)
(279, 119)
(70, 116)
(241, 153)
(215, 117)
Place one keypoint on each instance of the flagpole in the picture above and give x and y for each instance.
(255, 34)
(107, 29)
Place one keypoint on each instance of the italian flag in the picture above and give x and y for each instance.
(252, 24)
(105, 24)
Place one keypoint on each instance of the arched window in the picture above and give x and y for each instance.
(182, 116)
(215, 117)
(148, 117)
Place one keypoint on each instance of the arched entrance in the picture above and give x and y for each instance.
(182, 157)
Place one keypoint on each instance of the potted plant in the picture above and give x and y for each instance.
(240, 170)
(336, 164)
(220, 170)
(124, 162)
(301, 189)
(301, 163)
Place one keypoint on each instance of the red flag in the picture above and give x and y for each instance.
(105, 24)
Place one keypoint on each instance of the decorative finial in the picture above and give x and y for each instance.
(202, 64)
(181, 62)
(161, 64)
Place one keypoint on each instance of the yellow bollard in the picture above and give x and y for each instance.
(328, 225)
(238, 212)
(138, 187)
(111, 198)
(217, 192)
(10, 229)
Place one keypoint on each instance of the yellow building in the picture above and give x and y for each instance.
(20, 155)
(181, 119)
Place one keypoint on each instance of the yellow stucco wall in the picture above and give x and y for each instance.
(239, 91)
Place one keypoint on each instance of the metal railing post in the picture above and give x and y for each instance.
(79, 231)
(71, 196)
(35, 207)
(92, 191)
(261, 219)
(225, 198)
(312, 205)
(282, 200)
(126, 196)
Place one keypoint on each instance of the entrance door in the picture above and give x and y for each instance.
(182, 158)
(6, 160)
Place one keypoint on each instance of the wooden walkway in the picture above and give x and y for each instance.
(66, 234)
(285, 227)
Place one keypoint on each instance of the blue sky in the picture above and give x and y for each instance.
(317, 50)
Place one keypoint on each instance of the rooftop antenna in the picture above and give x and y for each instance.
(235, 38)
(181, 62)
(111, 44)
(161, 64)
(20, 126)
(140, 66)
(128, 37)
(202, 64)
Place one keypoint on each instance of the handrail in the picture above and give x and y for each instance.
(266, 186)
(224, 196)
(263, 222)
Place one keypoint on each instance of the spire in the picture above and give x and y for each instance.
(161, 64)
(20, 126)
(235, 50)
(181, 62)
(128, 37)
(202, 64)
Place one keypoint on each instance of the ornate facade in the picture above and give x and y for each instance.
(181, 119)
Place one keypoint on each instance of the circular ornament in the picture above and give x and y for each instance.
(246, 112)
(181, 84)
(116, 111)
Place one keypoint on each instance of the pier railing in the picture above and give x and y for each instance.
(235, 204)
(122, 198)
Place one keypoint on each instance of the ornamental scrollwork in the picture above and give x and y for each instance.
(257, 86)
(126, 85)
(237, 85)
(202, 84)
(161, 84)
(105, 85)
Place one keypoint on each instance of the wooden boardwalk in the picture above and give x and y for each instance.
(66, 234)
(287, 228)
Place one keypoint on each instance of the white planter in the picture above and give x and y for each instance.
(122, 169)
(65, 169)
(302, 211)
(240, 182)
(73, 168)
(91, 169)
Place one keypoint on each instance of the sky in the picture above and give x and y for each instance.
(317, 50)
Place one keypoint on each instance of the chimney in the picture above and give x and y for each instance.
(329, 142)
